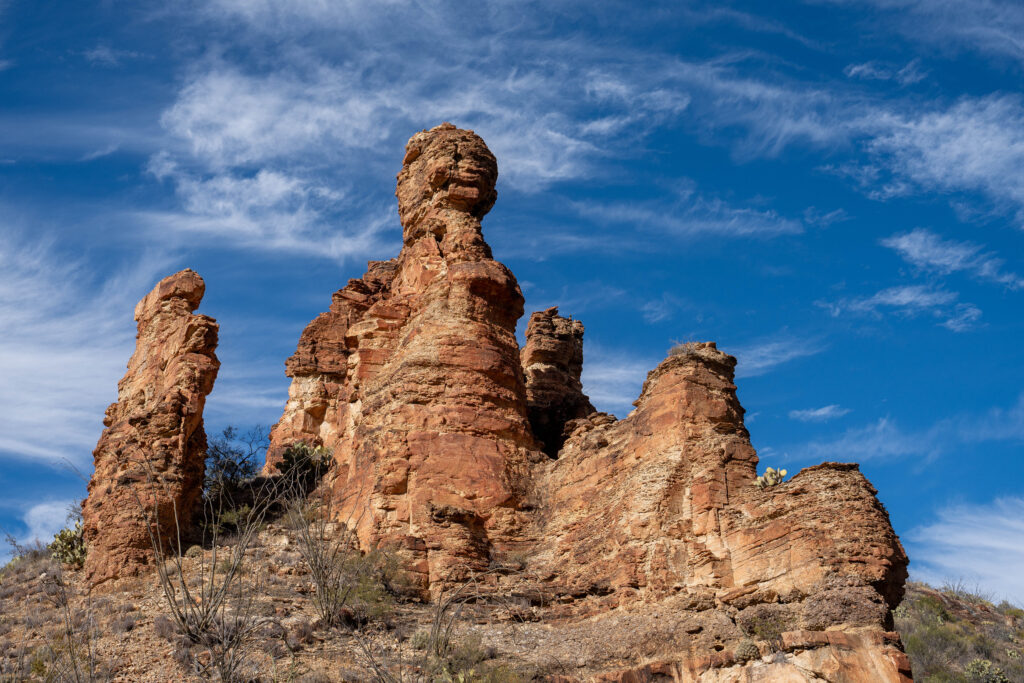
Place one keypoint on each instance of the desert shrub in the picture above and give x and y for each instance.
(164, 627)
(984, 671)
(213, 606)
(420, 640)
(350, 587)
(765, 623)
(300, 633)
(232, 457)
(303, 465)
(68, 546)
(948, 638)
(1009, 610)
(683, 348)
(960, 591)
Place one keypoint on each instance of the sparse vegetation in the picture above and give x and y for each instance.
(683, 348)
(956, 635)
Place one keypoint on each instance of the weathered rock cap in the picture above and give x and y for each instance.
(186, 285)
(703, 353)
(444, 168)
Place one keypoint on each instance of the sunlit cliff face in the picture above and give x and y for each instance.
(445, 168)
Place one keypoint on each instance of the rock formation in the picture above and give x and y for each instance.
(661, 507)
(553, 361)
(645, 536)
(152, 453)
(413, 380)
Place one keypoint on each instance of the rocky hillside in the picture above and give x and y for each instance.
(428, 469)
(955, 635)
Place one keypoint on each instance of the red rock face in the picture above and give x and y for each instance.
(645, 534)
(152, 453)
(553, 361)
(413, 377)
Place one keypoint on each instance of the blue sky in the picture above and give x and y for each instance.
(832, 191)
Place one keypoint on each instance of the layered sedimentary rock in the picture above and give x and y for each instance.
(646, 536)
(553, 361)
(413, 377)
(150, 458)
(661, 507)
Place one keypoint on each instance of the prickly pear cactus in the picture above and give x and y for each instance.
(771, 477)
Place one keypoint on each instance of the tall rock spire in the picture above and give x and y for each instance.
(413, 377)
(150, 458)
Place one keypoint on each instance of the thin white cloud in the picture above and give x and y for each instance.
(911, 301)
(41, 523)
(661, 309)
(975, 145)
(67, 338)
(761, 357)
(887, 439)
(927, 250)
(104, 55)
(814, 216)
(689, 214)
(977, 545)
(823, 414)
(990, 27)
(613, 378)
(906, 75)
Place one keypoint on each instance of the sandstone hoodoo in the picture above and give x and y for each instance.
(150, 458)
(646, 538)
(413, 380)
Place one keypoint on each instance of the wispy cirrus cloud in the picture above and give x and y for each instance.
(973, 544)
(104, 55)
(975, 145)
(823, 414)
(886, 438)
(908, 74)
(687, 213)
(760, 357)
(990, 27)
(928, 251)
(911, 301)
(613, 378)
(67, 337)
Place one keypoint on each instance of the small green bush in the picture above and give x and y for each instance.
(68, 546)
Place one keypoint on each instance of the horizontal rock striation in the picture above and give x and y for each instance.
(150, 459)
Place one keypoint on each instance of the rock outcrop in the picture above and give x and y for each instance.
(661, 508)
(413, 380)
(150, 458)
(553, 361)
(644, 536)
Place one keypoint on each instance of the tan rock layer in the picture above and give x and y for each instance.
(150, 459)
